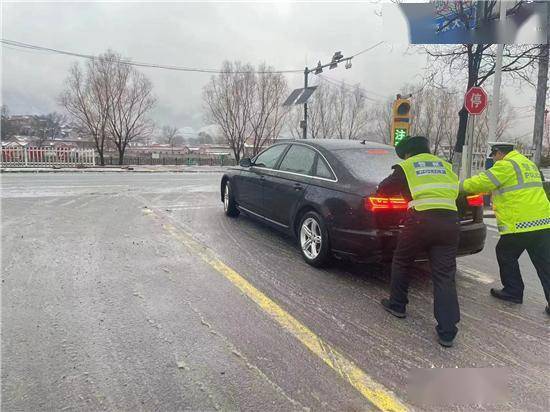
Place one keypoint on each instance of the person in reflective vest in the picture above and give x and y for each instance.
(431, 229)
(522, 210)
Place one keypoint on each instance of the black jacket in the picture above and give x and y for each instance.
(395, 184)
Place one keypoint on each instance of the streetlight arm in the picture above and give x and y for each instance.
(345, 59)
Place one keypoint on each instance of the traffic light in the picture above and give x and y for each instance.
(400, 119)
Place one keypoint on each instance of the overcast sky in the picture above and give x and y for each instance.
(285, 35)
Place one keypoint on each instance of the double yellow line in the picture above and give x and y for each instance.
(374, 392)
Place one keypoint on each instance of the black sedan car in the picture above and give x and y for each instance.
(323, 193)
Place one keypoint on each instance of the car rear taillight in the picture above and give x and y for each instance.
(475, 200)
(379, 203)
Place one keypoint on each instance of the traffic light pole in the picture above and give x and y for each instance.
(304, 131)
(336, 59)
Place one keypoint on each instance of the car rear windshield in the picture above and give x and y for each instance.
(369, 164)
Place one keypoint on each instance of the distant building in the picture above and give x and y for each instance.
(15, 142)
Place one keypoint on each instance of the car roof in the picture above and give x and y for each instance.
(336, 144)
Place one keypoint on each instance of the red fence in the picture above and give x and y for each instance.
(46, 156)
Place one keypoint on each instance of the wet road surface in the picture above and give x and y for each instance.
(134, 292)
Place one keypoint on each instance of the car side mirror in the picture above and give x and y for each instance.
(245, 162)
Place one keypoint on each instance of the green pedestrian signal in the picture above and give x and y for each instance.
(399, 134)
(400, 119)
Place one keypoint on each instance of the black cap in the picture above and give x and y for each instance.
(501, 147)
(413, 146)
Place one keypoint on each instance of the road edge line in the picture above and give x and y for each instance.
(374, 392)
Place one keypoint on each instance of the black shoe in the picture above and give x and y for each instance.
(547, 309)
(500, 294)
(445, 343)
(391, 308)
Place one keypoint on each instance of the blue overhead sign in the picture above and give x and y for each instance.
(453, 27)
(458, 22)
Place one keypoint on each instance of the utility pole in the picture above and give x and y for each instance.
(495, 106)
(304, 131)
(542, 87)
(337, 58)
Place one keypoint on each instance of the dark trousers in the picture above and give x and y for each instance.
(433, 234)
(509, 249)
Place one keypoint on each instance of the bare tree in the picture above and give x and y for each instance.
(335, 111)
(433, 115)
(229, 101)
(294, 118)
(171, 135)
(380, 121)
(350, 112)
(267, 115)
(131, 99)
(432, 111)
(504, 123)
(6, 127)
(322, 113)
(86, 99)
(110, 100)
(476, 62)
(54, 123)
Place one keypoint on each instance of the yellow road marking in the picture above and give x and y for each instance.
(147, 211)
(376, 393)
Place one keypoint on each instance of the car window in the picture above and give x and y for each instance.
(323, 169)
(370, 164)
(298, 159)
(269, 157)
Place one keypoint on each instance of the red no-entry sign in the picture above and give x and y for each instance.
(475, 100)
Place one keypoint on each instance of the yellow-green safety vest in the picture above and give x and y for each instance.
(519, 200)
(432, 182)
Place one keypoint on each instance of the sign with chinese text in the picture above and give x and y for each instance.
(475, 100)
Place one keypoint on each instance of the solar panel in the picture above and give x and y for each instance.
(306, 95)
(293, 96)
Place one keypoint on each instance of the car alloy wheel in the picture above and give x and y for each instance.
(226, 198)
(311, 239)
(229, 205)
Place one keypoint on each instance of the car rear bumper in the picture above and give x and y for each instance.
(378, 245)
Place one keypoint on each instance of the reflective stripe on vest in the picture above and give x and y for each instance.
(519, 175)
(492, 178)
(429, 186)
(432, 182)
(517, 187)
(534, 223)
(518, 171)
(521, 204)
(431, 201)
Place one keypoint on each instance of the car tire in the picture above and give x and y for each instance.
(229, 204)
(313, 239)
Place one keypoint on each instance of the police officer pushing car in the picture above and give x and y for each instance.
(431, 228)
(522, 211)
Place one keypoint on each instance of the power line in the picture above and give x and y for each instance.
(352, 86)
(134, 63)
(367, 49)
(28, 46)
(349, 88)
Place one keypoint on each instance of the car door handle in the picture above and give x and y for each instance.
(298, 186)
